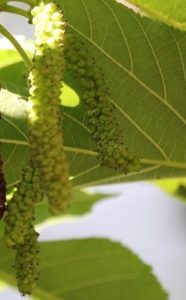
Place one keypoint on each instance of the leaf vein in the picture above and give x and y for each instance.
(77, 121)
(95, 282)
(132, 75)
(180, 55)
(121, 110)
(89, 19)
(15, 126)
(154, 55)
(123, 34)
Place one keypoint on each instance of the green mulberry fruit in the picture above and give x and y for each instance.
(44, 116)
(19, 231)
(20, 209)
(27, 262)
(105, 130)
(2, 189)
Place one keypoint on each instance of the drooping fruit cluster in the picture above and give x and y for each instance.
(44, 116)
(19, 231)
(27, 262)
(100, 111)
(2, 188)
(20, 209)
(48, 170)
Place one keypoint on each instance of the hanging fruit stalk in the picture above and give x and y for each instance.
(44, 116)
(2, 188)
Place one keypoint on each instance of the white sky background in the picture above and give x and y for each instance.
(142, 217)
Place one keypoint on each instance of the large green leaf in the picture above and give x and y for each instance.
(144, 65)
(89, 269)
(171, 12)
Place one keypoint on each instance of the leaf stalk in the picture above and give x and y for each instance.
(14, 10)
(29, 2)
(17, 46)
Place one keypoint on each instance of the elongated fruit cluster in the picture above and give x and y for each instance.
(27, 262)
(100, 111)
(44, 115)
(2, 190)
(181, 190)
(19, 231)
(20, 209)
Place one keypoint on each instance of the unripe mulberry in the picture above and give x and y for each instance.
(105, 130)
(181, 190)
(27, 262)
(44, 116)
(2, 190)
(20, 209)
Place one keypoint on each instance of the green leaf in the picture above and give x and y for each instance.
(69, 97)
(175, 187)
(83, 200)
(13, 136)
(90, 269)
(15, 84)
(146, 75)
(171, 12)
(3, 285)
(8, 57)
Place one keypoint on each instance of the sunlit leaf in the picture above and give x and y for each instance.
(89, 269)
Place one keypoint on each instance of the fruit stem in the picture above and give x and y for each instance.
(14, 10)
(29, 2)
(17, 46)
